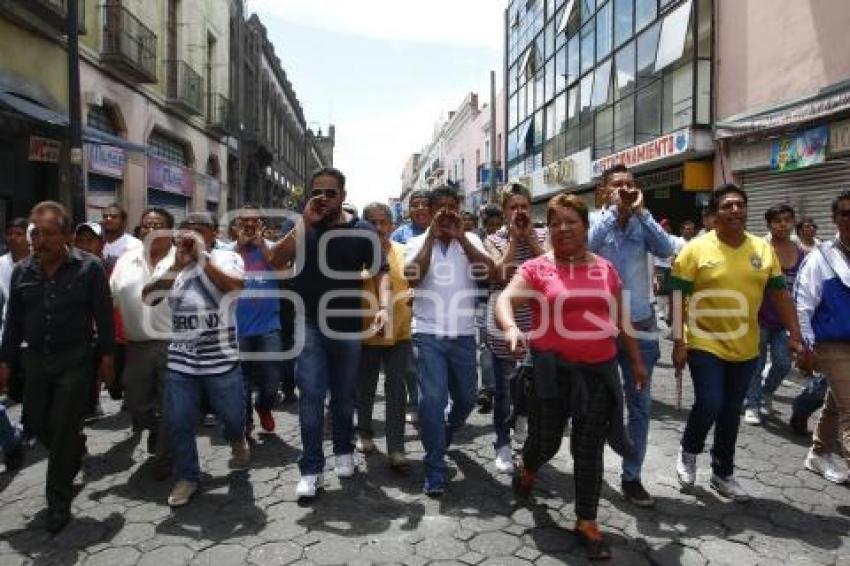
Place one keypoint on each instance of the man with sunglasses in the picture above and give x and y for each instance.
(331, 249)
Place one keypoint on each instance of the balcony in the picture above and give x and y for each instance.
(128, 45)
(184, 88)
(219, 115)
(52, 12)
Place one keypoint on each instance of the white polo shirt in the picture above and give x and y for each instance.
(121, 246)
(129, 277)
(444, 301)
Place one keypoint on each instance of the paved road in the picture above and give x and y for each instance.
(378, 517)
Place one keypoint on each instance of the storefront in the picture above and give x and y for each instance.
(806, 168)
(571, 174)
(170, 186)
(105, 175)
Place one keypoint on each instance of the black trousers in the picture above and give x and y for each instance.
(547, 420)
(56, 396)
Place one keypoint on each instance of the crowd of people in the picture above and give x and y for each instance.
(552, 326)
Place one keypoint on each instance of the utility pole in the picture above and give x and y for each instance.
(492, 165)
(75, 127)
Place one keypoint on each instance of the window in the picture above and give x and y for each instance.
(561, 113)
(539, 91)
(648, 113)
(525, 139)
(604, 144)
(703, 91)
(573, 106)
(549, 41)
(674, 31)
(512, 145)
(101, 118)
(551, 90)
(551, 121)
(168, 149)
(647, 47)
(678, 106)
(604, 35)
(624, 69)
(624, 123)
(587, 9)
(602, 84)
(530, 63)
(587, 47)
(565, 16)
(573, 61)
(538, 128)
(623, 17)
(704, 30)
(586, 93)
(512, 111)
(645, 12)
(523, 111)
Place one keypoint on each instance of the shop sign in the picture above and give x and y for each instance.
(106, 160)
(170, 177)
(571, 171)
(746, 156)
(802, 149)
(839, 137)
(44, 150)
(666, 146)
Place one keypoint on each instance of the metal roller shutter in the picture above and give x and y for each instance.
(810, 191)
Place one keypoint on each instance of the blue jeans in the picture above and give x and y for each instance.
(10, 434)
(811, 398)
(446, 367)
(502, 372)
(225, 394)
(719, 390)
(780, 365)
(638, 404)
(325, 365)
(264, 375)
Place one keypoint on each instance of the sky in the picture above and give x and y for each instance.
(383, 72)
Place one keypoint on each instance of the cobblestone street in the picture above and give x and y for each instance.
(378, 517)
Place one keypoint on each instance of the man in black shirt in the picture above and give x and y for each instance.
(331, 249)
(58, 296)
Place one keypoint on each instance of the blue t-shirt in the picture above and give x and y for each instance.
(256, 316)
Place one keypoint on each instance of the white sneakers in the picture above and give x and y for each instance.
(308, 486)
(344, 465)
(831, 466)
(729, 487)
(686, 468)
(752, 416)
(505, 459)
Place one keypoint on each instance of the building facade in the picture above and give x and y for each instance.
(591, 83)
(783, 104)
(155, 95)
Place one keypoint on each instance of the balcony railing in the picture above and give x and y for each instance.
(219, 115)
(54, 12)
(184, 88)
(128, 45)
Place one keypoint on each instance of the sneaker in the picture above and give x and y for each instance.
(522, 482)
(686, 468)
(240, 455)
(634, 492)
(799, 425)
(831, 466)
(752, 416)
(505, 459)
(364, 444)
(266, 419)
(729, 487)
(435, 484)
(521, 430)
(398, 462)
(308, 486)
(181, 493)
(344, 465)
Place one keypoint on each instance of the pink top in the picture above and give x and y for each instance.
(574, 314)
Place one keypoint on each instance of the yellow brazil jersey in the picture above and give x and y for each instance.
(401, 312)
(726, 287)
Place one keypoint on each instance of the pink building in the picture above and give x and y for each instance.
(782, 104)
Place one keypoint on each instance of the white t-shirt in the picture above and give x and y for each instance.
(120, 246)
(204, 319)
(444, 301)
(129, 277)
(7, 265)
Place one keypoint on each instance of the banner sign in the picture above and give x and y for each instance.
(44, 150)
(106, 160)
(170, 177)
(802, 149)
(666, 146)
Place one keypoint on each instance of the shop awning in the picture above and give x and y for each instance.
(38, 113)
(788, 115)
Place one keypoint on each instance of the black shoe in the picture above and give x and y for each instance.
(14, 458)
(634, 492)
(485, 402)
(57, 519)
(799, 424)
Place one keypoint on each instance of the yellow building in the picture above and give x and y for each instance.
(155, 92)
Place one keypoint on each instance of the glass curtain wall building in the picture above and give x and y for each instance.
(602, 75)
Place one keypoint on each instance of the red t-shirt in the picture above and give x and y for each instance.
(574, 313)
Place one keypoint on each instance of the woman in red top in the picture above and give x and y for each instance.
(575, 299)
